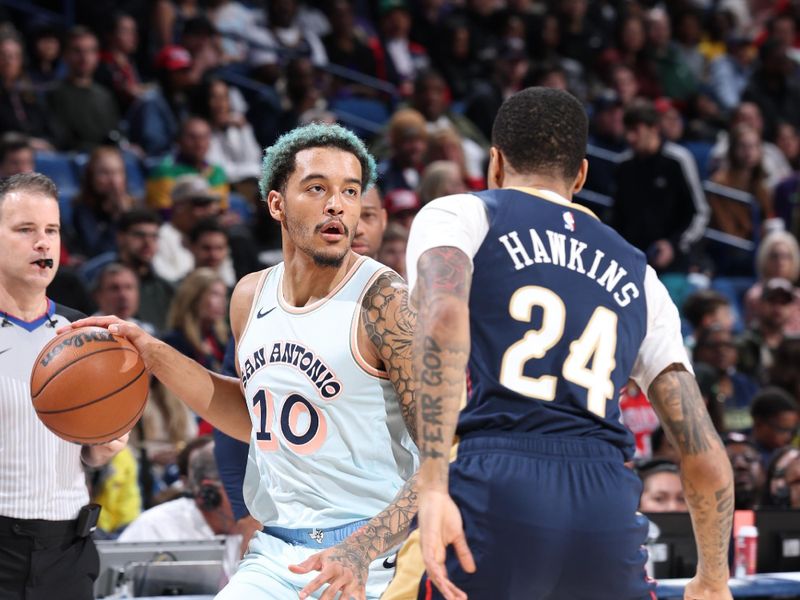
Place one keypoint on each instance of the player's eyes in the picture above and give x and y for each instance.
(315, 188)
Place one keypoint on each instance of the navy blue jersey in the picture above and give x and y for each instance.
(557, 315)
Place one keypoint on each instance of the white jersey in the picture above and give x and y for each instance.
(329, 445)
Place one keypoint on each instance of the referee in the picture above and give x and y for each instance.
(45, 548)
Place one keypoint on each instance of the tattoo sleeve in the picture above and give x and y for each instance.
(705, 469)
(389, 321)
(441, 351)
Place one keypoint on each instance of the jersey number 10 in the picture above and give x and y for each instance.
(302, 442)
(596, 345)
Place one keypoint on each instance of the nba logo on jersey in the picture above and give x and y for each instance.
(569, 220)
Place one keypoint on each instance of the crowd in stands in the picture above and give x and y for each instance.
(153, 121)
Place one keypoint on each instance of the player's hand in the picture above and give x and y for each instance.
(697, 589)
(100, 454)
(246, 527)
(439, 526)
(137, 336)
(343, 567)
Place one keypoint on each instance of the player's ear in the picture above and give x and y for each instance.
(580, 179)
(275, 205)
(495, 174)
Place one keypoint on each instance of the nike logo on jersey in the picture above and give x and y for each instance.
(4, 351)
(265, 313)
(391, 562)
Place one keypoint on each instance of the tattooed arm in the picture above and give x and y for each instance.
(705, 472)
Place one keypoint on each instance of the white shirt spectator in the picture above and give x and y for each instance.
(173, 521)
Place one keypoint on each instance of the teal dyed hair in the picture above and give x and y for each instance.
(278, 163)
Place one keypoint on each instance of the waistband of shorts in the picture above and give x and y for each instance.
(315, 537)
(571, 448)
(37, 527)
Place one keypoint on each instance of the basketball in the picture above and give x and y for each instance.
(89, 386)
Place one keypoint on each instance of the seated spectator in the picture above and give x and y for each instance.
(46, 67)
(393, 249)
(85, 112)
(788, 142)
(137, 244)
(784, 372)
(776, 492)
(233, 145)
(662, 490)
(402, 206)
(729, 74)
(194, 142)
(606, 141)
(206, 511)
(707, 308)
(348, 46)
(778, 256)
(371, 225)
(21, 109)
(116, 292)
(209, 244)
(16, 154)
(196, 320)
(748, 474)
(631, 70)
(117, 70)
(775, 421)
(787, 208)
(793, 482)
(408, 141)
(192, 200)
(402, 59)
(743, 171)
(445, 144)
(115, 487)
(441, 178)
(724, 388)
(759, 341)
(153, 119)
(169, 17)
(100, 203)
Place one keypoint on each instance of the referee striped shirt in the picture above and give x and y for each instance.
(41, 476)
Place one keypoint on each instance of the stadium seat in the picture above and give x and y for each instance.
(701, 151)
(363, 115)
(61, 169)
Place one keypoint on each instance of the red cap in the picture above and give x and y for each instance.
(173, 58)
(401, 200)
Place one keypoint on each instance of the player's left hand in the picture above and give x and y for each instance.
(100, 454)
(342, 567)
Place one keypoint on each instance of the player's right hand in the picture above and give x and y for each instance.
(697, 589)
(439, 526)
(137, 336)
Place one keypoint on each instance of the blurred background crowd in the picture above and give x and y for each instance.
(151, 116)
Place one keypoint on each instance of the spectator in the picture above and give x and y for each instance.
(759, 342)
(662, 490)
(775, 421)
(606, 142)
(729, 74)
(408, 141)
(793, 483)
(775, 165)
(348, 46)
(403, 59)
(169, 17)
(743, 171)
(85, 111)
(208, 242)
(402, 206)
(16, 154)
(659, 204)
(196, 320)
(705, 309)
(117, 71)
(235, 23)
(205, 513)
(116, 292)
(21, 109)
(194, 141)
(393, 248)
(371, 225)
(670, 121)
(784, 372)
(787, 208)
(788, 142)
(581, 39)
(192, 200)
(100, 203)
(688, 32)
(46, 67)
(547, 50)
(675, 76)
(446, 145)
(725, 389)
(776, 492)
(778, 256)
(456, 60)
(137, 243)
(202, 41)
(773, 88)
(233, 144)
(748, 474)
(153, 120)
(115, 487)
(624, 83)
(302, 95)
(631, 52)
(441, 178)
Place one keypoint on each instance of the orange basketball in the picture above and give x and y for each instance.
(89, 386)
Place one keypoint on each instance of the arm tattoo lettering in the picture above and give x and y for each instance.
(390, 321)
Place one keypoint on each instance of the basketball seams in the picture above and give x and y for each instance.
(76, 360)
(96, 400)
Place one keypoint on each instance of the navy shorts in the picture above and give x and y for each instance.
(547, 518)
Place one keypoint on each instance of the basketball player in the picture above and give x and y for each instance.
(548, 312)
(324, 355)
(45, 552)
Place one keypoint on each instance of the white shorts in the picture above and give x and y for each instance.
(264, 572)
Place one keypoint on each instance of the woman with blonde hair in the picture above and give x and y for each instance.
(778, 256)
(197, 318)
